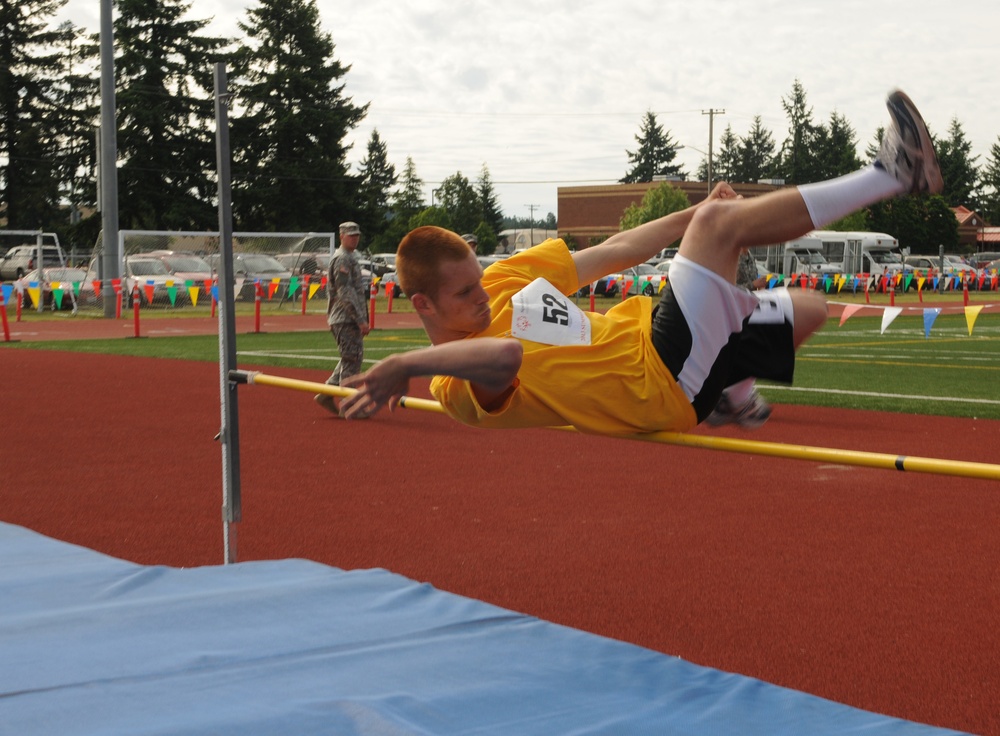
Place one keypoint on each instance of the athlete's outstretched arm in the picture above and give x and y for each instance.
(641, 243)
(489, 364)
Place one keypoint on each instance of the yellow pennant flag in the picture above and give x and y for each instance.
(193, 293)
(34, 292)
(970, 316)
(313, 288)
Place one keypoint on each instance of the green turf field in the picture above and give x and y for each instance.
(947, 373)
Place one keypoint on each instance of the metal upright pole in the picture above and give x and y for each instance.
(229, 434)
(108, 165)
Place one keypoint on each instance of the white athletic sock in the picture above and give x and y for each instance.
(738, 393)
(830, 200)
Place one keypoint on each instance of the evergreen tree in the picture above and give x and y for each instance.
(166, 142)
(958, 168)
(407, 201)
(654, 155)
(290, 168)
(871, 153)
(726, 165)
(29, 181)
(990, 206)
(459, 199)
(796, 162)
(921, 224)
(376, 179)
(487, 237)
(489, 203)
(756, 160)
(76, 99)
(836, 149)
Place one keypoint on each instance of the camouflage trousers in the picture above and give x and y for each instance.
(351, 345)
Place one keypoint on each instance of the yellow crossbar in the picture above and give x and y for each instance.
(910, 463)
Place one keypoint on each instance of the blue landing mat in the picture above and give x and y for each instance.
(93, 645)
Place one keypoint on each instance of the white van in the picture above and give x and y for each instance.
(861, 252)
(800, 256)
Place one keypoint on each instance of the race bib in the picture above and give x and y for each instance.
(542, 314)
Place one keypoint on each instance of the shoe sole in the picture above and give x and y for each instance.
(911, 125)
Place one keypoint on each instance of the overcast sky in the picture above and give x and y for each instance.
(551, 93)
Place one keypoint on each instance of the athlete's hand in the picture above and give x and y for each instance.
(722, 190)
(384, 384)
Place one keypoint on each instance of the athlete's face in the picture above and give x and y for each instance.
(462, 305)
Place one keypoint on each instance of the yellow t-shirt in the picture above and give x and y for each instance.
(615, 385)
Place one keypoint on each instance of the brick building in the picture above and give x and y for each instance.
(592, 213)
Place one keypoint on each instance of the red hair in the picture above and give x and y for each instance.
(420, 255)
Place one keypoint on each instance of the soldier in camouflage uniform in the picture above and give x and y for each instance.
(346, 311)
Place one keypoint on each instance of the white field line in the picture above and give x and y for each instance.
(953, 357)
(880, 395)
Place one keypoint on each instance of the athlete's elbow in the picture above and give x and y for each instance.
(508, 358)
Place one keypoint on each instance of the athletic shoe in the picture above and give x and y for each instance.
(328, 403)
(907, 152)
(751, 414)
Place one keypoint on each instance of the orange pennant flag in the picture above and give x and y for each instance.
(849, 311)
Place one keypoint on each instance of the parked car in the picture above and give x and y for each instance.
(607, 286)
(72, 282)
(148, 271)
(21, 259)
(253, 267)
(143, 270)
(642, 279)
(187, 267)
(382, 262)
(665, 254)
(932, 264)
(390, 277)
(664, 265)
(306, 263)
(981, 260)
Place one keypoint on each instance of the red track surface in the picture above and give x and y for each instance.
(869, 587)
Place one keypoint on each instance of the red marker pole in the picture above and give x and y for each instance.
(371, 310)
(305, 293)
(3, 312)
(135, 309)
(389, 291)
(258, 293)
(593, 289)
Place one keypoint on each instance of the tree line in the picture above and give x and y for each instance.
(290, 115)
(814, 151)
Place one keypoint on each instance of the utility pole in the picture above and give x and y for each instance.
(711, 121)
(531, 222)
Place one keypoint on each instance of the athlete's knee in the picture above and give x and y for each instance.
(810, 311)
